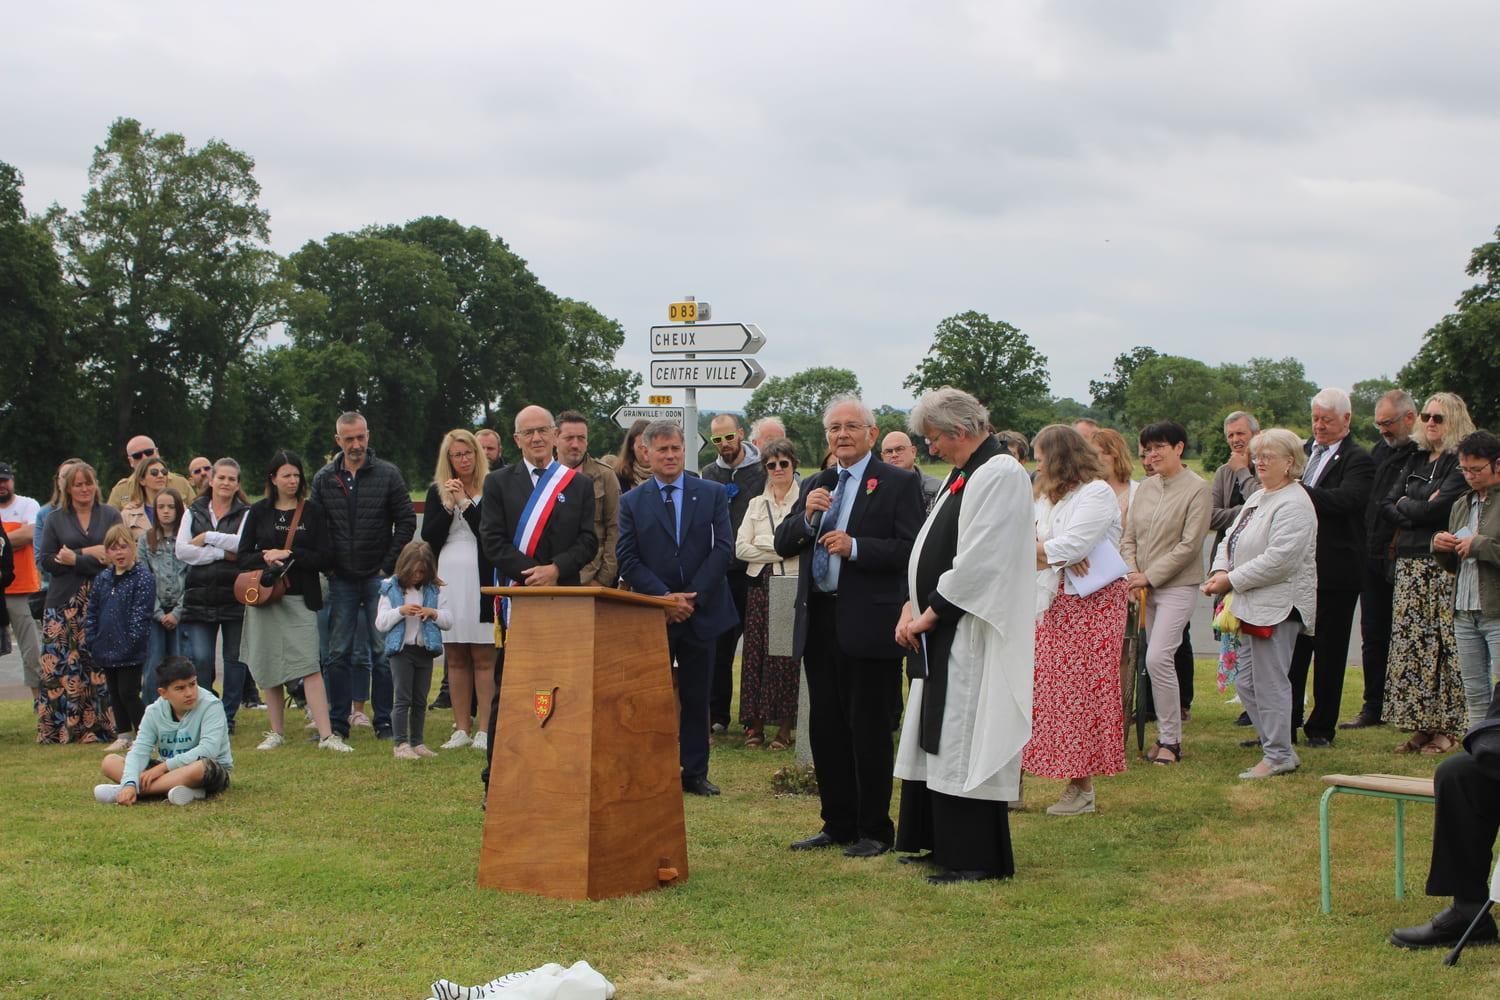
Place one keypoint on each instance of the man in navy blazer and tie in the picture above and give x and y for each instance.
(853, 527)
(676, 541)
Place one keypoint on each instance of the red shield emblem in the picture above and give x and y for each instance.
(543, 704)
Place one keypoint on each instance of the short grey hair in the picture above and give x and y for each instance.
(949, 411)
(764, 422)
(1242, 415)
(1399, 400)
(865, 413)
(663, 429)
(1333, 398)
(1279, 439)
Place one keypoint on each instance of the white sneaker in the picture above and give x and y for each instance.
(333, 741)
(1234, 701)
(481, 741)
(421, 750)
(359, 719)
(107, 793)
(458, 740)
(405, 752)
(120, 745)
(271, 742)
(1074, 801)
(181, 795)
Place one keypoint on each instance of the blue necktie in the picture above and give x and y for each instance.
(821, 558)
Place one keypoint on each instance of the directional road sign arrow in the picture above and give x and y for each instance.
(707, 338)
(627, 415)
(720, 373)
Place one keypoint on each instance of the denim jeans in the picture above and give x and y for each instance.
(160, 644)
(199, 638)
(1478, 641)
(346, 599)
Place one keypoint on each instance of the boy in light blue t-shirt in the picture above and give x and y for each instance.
(182, 748)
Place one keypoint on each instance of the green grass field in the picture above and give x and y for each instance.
(321, 875)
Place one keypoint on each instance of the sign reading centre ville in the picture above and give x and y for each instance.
(707, 338)
(726, 373)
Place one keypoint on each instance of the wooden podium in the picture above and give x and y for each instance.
(585, 796)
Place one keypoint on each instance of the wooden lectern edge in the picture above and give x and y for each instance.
(607, 593)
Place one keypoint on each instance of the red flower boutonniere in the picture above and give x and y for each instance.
(870, 485)
(958, 483)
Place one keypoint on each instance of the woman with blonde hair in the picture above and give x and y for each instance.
(1076, 710)
(450, 527)
(1118, 467)
(1424, 691)
(146, 481)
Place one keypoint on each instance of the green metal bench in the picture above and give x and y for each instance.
(1398, 787)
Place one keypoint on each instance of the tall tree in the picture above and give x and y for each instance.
(1277, 391)
(168, 256)
(39, 381)
(799, 400)
(1108, 393)
(1168, 387)
(990, 359)
(1461, 352)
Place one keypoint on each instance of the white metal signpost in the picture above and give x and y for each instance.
(693, 336)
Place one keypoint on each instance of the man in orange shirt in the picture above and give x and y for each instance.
(18, 515)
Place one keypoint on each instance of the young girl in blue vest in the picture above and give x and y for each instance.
(116, 626)
(413, 615)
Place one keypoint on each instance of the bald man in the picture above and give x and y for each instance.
(765, 430)
(898, 450)
(137, 450)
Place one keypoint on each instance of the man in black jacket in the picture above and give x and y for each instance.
(864, 515)
(1338, 478)
(739, 470)
(1395, 418)
(370, 519)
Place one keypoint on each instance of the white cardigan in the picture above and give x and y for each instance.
(1275, 558)
(756, 541)
(1072, 528)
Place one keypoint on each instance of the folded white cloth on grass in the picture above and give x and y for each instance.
(548, 982)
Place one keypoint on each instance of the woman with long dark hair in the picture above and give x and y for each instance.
(632, 465)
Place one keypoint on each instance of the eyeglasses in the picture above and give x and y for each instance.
(1470, 470)
(779, 463)
(1387, 422)
(136, 456)
(534, 431)
(840, 428)
(898, 449)
(724, 438)
(1436, 418)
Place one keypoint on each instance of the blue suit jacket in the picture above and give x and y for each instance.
(653, 562)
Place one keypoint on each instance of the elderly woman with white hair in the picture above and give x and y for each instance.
(971, 579)
(1268, 562)
(1424, 691)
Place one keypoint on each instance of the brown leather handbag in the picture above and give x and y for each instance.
(256, 588)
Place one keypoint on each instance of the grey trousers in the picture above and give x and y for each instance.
(1265, 688)
(28, 642)
(411, 675)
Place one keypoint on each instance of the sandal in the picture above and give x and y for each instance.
(753, 738)
(1157, 754)
(779, 742)
(1417, 741)
(1437, 749)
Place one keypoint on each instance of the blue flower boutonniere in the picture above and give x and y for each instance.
(732, 490)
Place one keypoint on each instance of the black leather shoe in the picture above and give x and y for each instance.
(1243, 720)
(443, 701)
(916, 859)
(950, 875)
(699, 786)
(1320, 741)
(866, 847)
(1364, 720)
(816, 841)
(1444, 930)
(1250, 743)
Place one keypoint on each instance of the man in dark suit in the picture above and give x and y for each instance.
(528, 549)
(1338, 478)
(675, 541)
(853, 529)
(1466, 818)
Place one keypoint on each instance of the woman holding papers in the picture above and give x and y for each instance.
(1081, 599)
(1268, 562)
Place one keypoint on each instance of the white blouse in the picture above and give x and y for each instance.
(1072, 528)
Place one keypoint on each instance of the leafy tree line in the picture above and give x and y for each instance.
(159, 307)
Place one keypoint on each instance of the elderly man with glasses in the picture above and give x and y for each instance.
(898, 450)
(137, 450)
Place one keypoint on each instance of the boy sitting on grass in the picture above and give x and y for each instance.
(181, 749)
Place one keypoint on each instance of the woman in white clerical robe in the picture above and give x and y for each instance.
(968, 716)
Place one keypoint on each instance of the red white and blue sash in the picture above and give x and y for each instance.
(545, 497)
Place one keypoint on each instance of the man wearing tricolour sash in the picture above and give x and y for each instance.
(536, 522)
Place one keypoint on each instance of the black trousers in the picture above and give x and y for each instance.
(1465, 822)
(850, 729)
(1330, 648)
(722, 693)
(695, 661)
(124, 686)
(1375, 598)
(964, 834)
(489, 748)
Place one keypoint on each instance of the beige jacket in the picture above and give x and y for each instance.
(1163, 535)
(604, 569)
(756, 541)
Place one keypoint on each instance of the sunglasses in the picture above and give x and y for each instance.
(1436, 418)
(722, 438)
(156, 472)
(779, 463)
(202, 470)
(136, 456)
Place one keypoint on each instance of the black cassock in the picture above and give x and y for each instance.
(963, 834)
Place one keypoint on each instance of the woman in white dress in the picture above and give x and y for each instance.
(450, 524)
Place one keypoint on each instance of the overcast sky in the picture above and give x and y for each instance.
(1220, 180)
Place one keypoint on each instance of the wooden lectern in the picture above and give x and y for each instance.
(585, 796)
